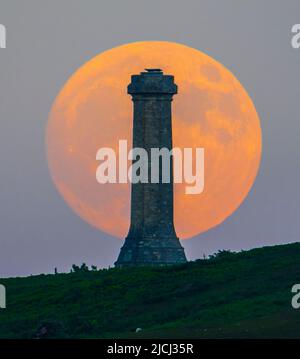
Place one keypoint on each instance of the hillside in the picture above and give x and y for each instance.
(246, 294)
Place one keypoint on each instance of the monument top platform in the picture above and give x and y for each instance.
(152, 82)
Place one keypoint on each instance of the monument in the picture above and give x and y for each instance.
(152, 239)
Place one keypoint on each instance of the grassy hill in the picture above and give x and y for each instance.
(246, 294)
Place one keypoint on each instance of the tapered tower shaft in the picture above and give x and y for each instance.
(152, 238)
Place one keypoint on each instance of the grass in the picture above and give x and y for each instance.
(230, 295)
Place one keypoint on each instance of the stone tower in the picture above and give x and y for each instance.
(152, 239)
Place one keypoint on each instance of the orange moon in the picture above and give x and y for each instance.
(212, 110)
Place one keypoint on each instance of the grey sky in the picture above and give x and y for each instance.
(47, 40)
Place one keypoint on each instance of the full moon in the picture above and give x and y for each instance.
(212, 110)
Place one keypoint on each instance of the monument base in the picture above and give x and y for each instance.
(151, 252)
